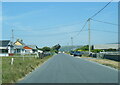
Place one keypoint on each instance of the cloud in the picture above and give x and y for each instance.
(23, 15)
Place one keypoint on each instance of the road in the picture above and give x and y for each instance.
(63, 68)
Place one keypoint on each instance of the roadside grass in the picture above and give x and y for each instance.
(0, 70)
(111, 63)
(20, 67)
(85, 56)
(107, 62)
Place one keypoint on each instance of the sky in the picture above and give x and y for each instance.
(51, 23)
(59, 0)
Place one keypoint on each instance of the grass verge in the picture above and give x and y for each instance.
(20, 67)
(111, 63)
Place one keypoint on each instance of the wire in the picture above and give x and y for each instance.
(57, 34)
(82, 28)
(104, 31)
(45, 27)
(105, 22)
(101, 9)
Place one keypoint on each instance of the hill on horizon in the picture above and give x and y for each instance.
(69, 48)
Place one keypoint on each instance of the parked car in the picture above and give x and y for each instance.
(77, 53)
(47, 53)
(71, 52)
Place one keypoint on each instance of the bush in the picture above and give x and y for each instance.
(97, 50)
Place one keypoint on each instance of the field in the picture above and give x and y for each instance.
(21, 66)
(107, 62)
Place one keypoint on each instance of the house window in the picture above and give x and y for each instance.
(3, 50)
(18, 50)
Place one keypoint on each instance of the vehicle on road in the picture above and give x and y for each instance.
(77, 53)
(47, 53)
(71, 52)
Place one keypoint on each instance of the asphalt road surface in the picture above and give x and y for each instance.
(63, 68)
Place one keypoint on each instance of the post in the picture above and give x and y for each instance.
(12, 36)
(12, 60)
(67, 47)
(72, 42)
(89, 36)
(23, 57)
(12, 49)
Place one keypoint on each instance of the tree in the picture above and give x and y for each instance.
(46, 49)
(97, 50)
(84, 48)
(56, 48)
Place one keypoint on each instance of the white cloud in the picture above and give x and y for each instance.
(23, 15)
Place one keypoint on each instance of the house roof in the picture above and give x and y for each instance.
(26, 47)
(18, 47)
(32, 46)
(20, 41)
(106, 46)
(4, 43)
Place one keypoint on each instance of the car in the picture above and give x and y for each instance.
(77, 53)
(47, 53)
(71, 52)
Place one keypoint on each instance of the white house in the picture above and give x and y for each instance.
(8, 48)
(5, 47)
(107, 46)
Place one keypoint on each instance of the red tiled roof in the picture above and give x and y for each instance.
(26, 47)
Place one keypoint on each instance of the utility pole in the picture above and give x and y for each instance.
(72, 42)
(12, 36)
(12, 41)
(67, 47)
(89, 36)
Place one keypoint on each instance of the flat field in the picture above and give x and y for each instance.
(21, 67)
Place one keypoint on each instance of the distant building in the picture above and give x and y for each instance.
(5, 47)
(30, 49)
(19, 42)
(107, 46)
(18, 46)
(34, 48)
(21, 47)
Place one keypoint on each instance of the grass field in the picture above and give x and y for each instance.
(0, 70)
(20, 67)
(111, 63)
(107, 62)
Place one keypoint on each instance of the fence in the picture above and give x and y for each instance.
(104, 55)
(111, 56)
(4, 54)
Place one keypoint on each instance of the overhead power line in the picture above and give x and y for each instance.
(101, 9)
(82, 28)
(104, 31)
(95, 15)
(105, 22)
(49, 27)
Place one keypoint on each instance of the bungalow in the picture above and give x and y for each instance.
(30, 49)
(107, 46)
(20, 47)
(5, 47)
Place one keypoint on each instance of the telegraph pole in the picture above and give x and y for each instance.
(72, 42)
(12, 41)
(12, 36)
(89, 36)
(67, 46)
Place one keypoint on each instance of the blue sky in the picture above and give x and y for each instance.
(50, 23)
